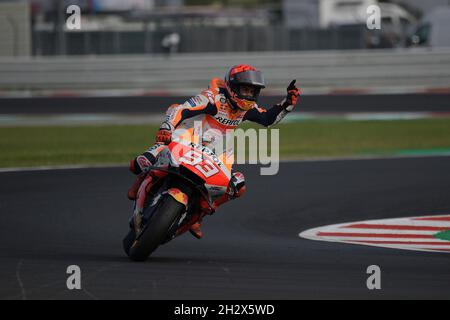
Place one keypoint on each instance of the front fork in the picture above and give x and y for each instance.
(139, 204)
(178, 195)
(143, 194)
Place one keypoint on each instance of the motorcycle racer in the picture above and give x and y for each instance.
(223, 106)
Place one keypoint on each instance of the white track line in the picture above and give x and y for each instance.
(415, 244)
(305, 160)
(369, 157)
(63, 167)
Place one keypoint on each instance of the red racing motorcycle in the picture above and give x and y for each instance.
(176, 192)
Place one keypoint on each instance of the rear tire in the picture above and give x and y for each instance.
(156, 230)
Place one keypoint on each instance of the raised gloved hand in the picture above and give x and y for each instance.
(164, 135)
(292, 96)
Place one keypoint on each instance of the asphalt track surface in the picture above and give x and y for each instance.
(251, 249)
(159, 104)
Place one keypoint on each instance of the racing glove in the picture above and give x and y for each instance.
(164, 135)
(291, 98)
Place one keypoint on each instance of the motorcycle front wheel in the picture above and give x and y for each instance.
(155, 231)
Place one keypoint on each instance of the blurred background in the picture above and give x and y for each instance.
(129, 60)
(37, 27)
(127, 44)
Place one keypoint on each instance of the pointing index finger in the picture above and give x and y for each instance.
(292, 84)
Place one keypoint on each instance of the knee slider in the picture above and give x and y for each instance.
(142, 163)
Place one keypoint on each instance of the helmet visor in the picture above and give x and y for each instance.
(250, 77)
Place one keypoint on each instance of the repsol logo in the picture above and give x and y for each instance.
(208, 152)
(228, 122)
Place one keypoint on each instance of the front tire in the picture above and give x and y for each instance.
(155, 232)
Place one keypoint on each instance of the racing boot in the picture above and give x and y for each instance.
(236, 189)
(196, 231)
(204, 210)
(132, 192)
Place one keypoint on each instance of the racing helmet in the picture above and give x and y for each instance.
(240, 76)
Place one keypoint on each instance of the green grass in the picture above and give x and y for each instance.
(341, 138)
(444, 235)
(37, 146)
